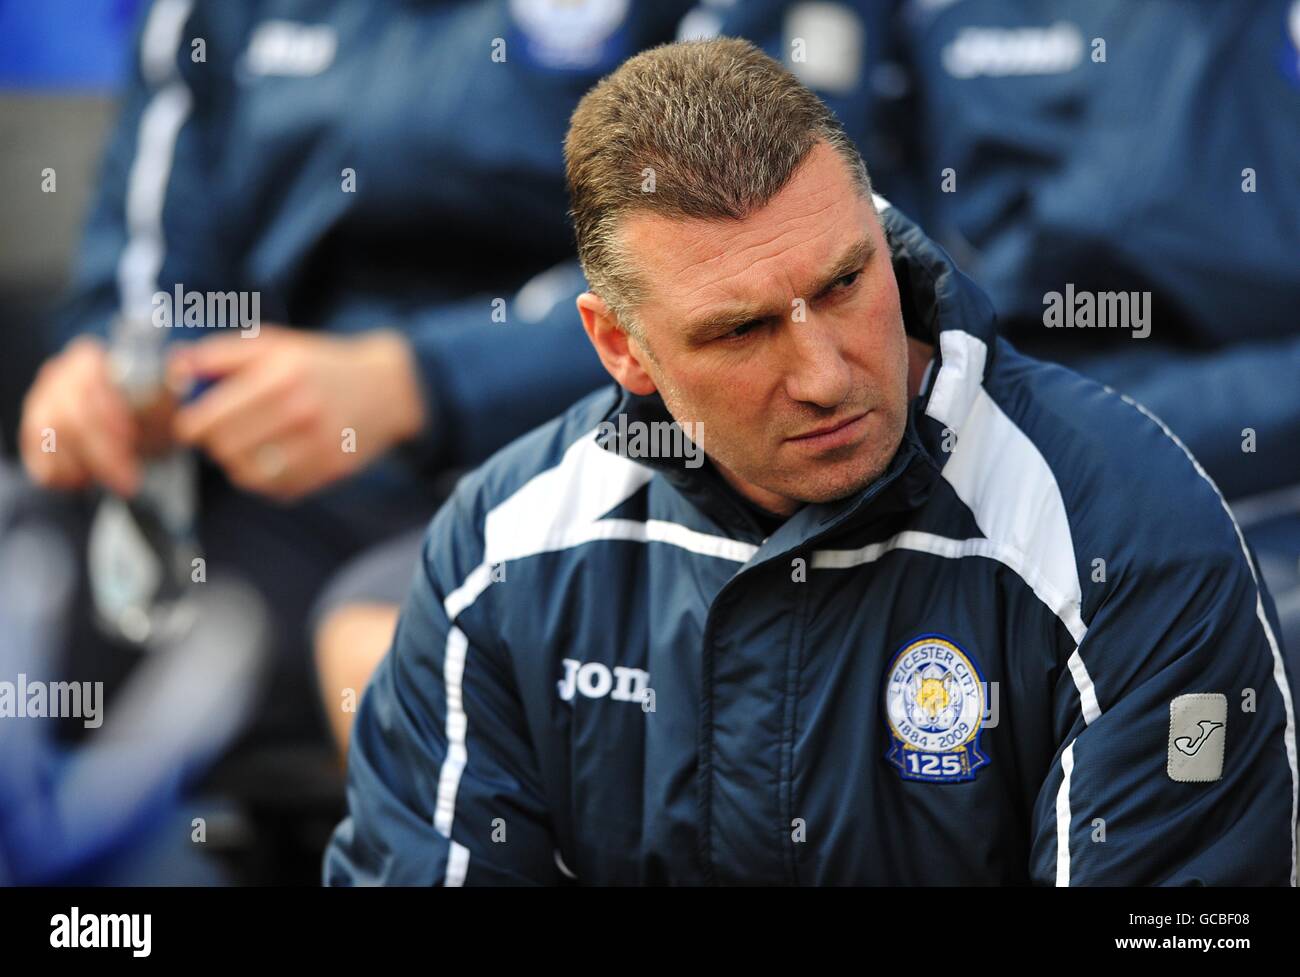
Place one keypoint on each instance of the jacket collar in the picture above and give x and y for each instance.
(936, 299)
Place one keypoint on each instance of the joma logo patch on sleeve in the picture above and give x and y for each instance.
(1198, 730)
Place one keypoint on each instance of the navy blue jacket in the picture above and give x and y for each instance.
(1034, 650)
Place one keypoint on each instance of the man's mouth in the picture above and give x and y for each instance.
(833, 434)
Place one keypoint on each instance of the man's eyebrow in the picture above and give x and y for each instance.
(720, 323)
(854, 259)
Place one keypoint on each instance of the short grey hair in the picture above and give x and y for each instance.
(718, 125)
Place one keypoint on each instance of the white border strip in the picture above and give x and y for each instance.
(157, 132)
(1063, 817)
(453, 678)
(1059, 604)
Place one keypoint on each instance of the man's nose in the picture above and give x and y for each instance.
(817, 372)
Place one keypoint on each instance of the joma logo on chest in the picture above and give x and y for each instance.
(596, 681)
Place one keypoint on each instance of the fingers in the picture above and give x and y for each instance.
(99, 444)
(265, 423)
(263, 405)
(245, 408)
(110, 461)
(76, 427)
(263, 428)
(218, 356)
(45, 463)
(275, 423)
(286, 469)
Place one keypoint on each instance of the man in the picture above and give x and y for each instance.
(923, 611)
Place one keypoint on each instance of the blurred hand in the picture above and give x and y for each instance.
(294, 411)
(76, 426)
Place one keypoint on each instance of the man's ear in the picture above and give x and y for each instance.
(622, 355)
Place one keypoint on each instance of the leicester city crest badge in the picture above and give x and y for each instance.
(934, 703)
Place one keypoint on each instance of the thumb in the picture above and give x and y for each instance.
(215, 356)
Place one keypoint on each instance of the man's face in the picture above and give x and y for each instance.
(781, 334)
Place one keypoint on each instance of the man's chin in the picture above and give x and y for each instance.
(819, 488)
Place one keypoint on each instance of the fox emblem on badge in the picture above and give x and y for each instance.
(934, 707)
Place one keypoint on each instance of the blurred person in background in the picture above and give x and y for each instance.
(379, 176)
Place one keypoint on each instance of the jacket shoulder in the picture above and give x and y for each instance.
(1132, 494)
(459, 541)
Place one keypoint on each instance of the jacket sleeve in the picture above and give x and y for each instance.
(492, 368)
(1176, 762)
(442, 780)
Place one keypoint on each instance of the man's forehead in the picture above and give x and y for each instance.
(693, 262)
(801, 231)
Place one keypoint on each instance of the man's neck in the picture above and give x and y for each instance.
(773, 505)
(769, 521)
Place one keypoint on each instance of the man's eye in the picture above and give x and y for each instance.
(846, 281)
(743, 329)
